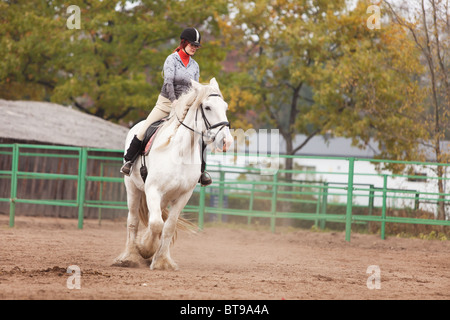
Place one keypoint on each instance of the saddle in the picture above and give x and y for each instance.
(147, 143)
(150, 135)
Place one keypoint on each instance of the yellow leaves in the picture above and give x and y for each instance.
(241, 123)
(239, 98)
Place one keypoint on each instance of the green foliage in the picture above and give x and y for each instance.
(306, 66)
(313, 67)
(110, 67)
(433, 235)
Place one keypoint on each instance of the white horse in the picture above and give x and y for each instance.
(174, 168)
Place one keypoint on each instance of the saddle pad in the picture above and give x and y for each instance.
(150, 135)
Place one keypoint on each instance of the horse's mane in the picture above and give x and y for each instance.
(187, 101)
(192, 99)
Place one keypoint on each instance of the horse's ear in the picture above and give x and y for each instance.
(213, 82)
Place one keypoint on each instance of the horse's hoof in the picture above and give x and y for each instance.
(163, 265)
(125, 264)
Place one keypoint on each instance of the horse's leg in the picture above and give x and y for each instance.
(130, 256)
(162, 258)
(150, 240)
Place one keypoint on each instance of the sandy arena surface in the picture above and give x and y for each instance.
(217, 263)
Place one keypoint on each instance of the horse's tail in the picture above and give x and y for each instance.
(182, 223)
(143, 211)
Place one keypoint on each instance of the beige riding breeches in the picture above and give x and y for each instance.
(162, 109)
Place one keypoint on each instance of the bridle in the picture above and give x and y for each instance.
(208, 125)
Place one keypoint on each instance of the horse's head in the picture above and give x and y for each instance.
(212, 108)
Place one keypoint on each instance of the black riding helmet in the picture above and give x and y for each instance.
(191, 35)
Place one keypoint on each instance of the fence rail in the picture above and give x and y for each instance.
(320, 196)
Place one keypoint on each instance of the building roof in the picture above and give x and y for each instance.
(50, 123)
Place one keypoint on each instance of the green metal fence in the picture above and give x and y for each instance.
(81, 178)
(243, 191)
(320, 191)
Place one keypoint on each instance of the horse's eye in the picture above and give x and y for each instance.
(208, 108)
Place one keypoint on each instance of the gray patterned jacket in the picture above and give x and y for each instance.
(177, 77)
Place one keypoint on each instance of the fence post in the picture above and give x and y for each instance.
(201, 208)
(82, 164)
(221, 186)
(348, 215)
(13, 196)
(383, 212)
(324, 205)
(221, 191)
(319, 200)
(417, 201)
(274, 201)
(100, 195)
(250, 205)
(371, 198)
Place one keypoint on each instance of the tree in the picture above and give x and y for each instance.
(110, 67)
(29, 36)
(313, 67)
(429, 27)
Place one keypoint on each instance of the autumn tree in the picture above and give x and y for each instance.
(428, 24)
(29, 39)
(314, 67)
(111, 66)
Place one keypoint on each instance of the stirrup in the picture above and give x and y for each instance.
(205, 179)
(126, 168)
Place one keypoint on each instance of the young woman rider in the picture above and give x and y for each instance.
(179, 69)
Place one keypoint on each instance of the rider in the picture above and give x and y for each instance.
(179, 69)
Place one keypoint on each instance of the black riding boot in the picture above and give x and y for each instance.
(205, 178)
(131, 155)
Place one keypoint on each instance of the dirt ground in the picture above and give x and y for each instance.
(218, 263)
